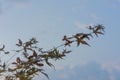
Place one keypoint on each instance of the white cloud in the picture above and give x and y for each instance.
(88, 71)
(58, 67)
(18, 3)
(95, 17)
(111, 65)
(5, 5)
(81, 25)
(21, 5)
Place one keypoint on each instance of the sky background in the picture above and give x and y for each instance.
(50, 20)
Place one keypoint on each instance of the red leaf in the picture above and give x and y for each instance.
(19, 43)
(34, 54)
(18, 60)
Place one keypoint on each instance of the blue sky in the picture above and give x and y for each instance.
(49, 20)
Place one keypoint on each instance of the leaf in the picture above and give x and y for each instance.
(34, 54)
(90, 27)
(4, 65)
(19, 66)
(48, 63)
(14, 63)
(68, 52)
(65, 51)
(96, 33)
(100, 27)
(25, 50)
(39, 64)
(19, 43)
(45, 74)
(84, 42)
(77, 35)
(30, 57)
(85, 36)
(97, 30)
(99, 33)
(64, 38)
(88, 37)
(7, 52)
(68, 43)
(78, 41)
(18, 60)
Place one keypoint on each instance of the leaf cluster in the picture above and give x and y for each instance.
(34, 58)
(80, 38)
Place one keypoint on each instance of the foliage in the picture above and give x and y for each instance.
(35, 58)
